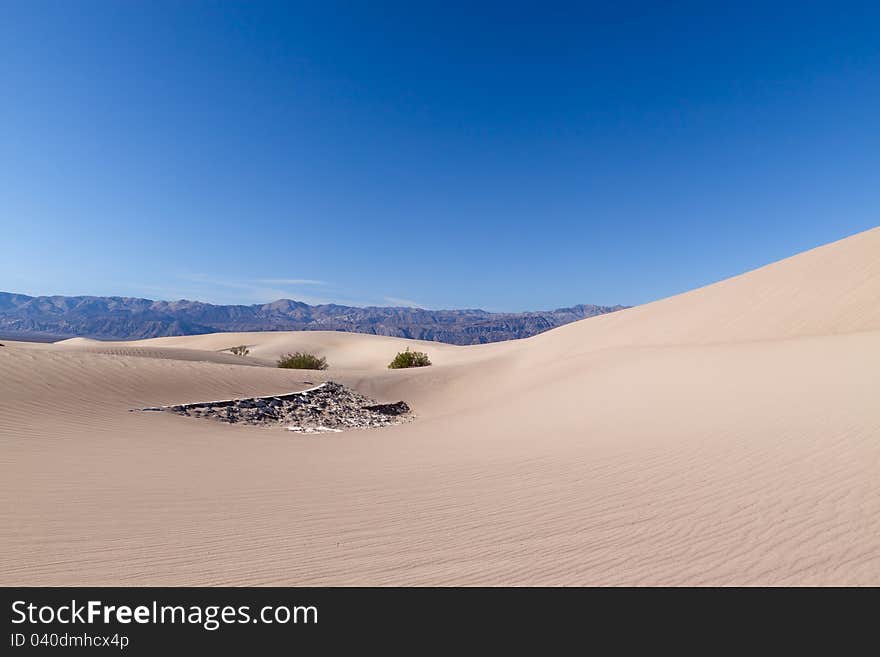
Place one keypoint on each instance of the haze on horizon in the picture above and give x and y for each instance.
(524, 158)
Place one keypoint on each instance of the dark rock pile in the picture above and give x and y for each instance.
(329, 407)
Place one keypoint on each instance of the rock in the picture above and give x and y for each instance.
(329, 407)
(397, 408)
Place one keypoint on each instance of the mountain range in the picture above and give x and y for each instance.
(121, 318)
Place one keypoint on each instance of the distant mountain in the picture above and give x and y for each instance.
(121, 318)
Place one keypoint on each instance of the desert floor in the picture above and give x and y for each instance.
(730, 435)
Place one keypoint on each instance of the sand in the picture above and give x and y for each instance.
(727, 436)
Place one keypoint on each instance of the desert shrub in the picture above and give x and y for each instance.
(409, 359)
(240, 350)
(302, 361)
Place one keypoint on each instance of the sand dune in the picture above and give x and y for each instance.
(730, 435)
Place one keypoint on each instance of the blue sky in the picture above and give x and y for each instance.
(506, 156)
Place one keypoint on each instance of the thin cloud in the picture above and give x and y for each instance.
(291, 281)
(224, 290)
(397, 301)
(220, 290)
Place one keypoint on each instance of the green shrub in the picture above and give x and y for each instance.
(240, 350)
(409, 359)
(302, 361)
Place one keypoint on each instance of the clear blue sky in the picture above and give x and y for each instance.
(507, 156)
